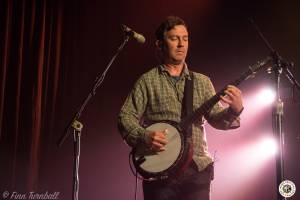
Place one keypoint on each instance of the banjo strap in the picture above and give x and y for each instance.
(187, 109)
(187, 102)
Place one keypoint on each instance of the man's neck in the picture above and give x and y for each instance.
(174, 70)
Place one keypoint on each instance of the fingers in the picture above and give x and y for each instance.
(233, 91)
(226, 100)
(156, 146)
(233, 97)
(158, 141)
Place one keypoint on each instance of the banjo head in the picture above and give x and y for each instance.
(159, 162)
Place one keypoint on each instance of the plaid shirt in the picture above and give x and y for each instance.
(156, 96)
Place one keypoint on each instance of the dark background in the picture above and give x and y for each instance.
(86, 34)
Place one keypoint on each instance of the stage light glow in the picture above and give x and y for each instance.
(268, 146)
(245, 156)
(243, 165)
(251, 156)
(256, 102)
(266, 96)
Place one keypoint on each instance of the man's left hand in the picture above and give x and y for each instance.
(233, 98)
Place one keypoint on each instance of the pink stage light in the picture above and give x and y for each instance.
(256, 103)
(247, 156)
(243, 166)
(268, 146)
(266, 96)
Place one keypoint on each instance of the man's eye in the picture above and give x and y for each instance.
(173, 38)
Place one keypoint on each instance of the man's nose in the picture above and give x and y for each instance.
(180, 43)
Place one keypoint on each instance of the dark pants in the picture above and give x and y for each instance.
(191, 185)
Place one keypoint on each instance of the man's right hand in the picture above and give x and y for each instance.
(157, 140)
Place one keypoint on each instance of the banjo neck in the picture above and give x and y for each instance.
(209, 104)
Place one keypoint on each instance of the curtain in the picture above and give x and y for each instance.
(30, 59)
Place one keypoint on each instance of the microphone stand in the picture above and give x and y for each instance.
(279, 66)
(77, 126)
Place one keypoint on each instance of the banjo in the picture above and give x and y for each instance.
(177, 155)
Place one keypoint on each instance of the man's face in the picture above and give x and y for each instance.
(175, 45)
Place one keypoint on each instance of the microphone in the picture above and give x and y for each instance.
(139, 37)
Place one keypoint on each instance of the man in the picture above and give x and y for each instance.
(158, 95)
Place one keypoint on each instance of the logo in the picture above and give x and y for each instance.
(287, 188)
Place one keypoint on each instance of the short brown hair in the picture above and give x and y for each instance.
(168, 24)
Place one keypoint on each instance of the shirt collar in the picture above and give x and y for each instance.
(184, 73)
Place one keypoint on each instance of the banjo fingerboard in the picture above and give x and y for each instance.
(209, 104)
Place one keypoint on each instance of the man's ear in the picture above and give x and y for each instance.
(159, 44)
